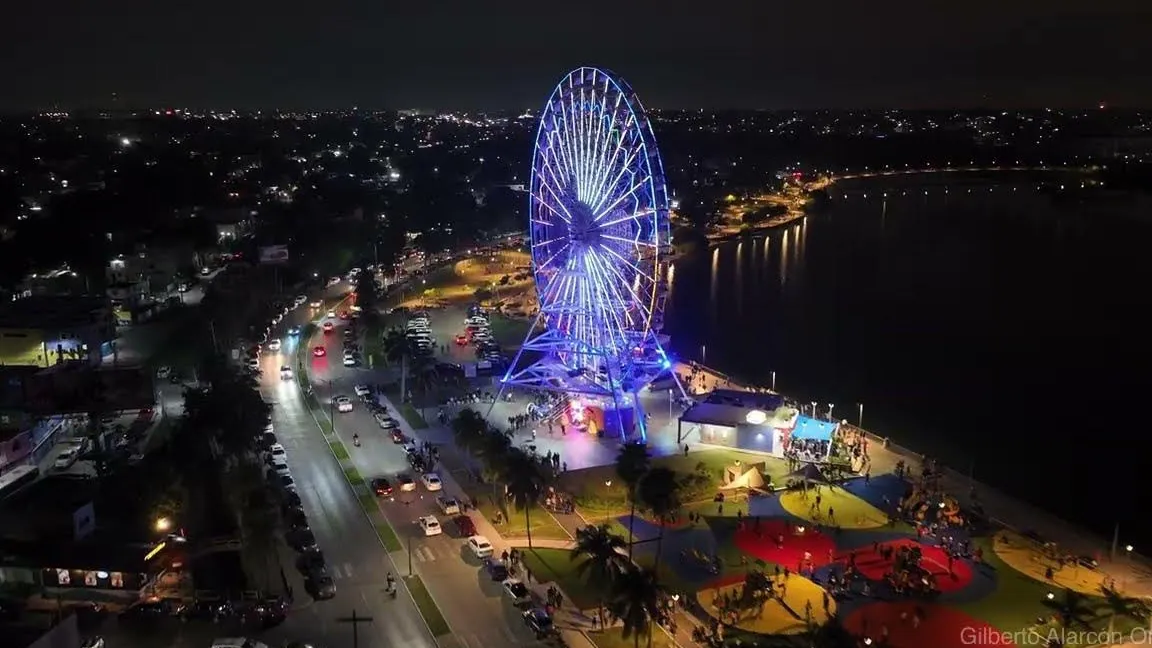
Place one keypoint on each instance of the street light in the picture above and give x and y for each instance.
(773, 381)
(608, 485)
(860, 415)
(831, 406)
(162, 525)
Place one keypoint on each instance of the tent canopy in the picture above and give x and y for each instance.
(810, 428)
(744, 476)
(810, 473)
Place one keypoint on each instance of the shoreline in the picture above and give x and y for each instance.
(1002, 509)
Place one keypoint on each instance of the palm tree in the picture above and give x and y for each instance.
(468, 429)
(631, 464)
(1120, 605)
(494, 449)
(524, 482)
(1071, 608)
(397, 348)
(635, 601)
(601, 557)
(659, 491)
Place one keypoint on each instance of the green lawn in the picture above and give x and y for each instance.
(556, 565)
(353, 476)
(428, 609)
(543, 525)
(338, 450)
(413, 416)
(614, 638)
(388, 537)
(598, 500)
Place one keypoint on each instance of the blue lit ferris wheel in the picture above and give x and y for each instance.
(598, 218)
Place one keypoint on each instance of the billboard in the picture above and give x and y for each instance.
(273, 254)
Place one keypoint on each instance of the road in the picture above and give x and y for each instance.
(474, 606)
(356, 560)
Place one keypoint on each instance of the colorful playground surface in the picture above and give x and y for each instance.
(994, 584)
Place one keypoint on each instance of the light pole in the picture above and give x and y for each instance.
(813, 409)
(608, 485)
(860, 415)
(831, 406)
(670, 403)
(773, 381)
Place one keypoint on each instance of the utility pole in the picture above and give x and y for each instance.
(355, 621)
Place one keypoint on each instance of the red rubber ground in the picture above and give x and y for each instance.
(873, 567)
(762, 544)
(940, 627)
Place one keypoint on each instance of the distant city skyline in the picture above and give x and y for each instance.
(839, 54)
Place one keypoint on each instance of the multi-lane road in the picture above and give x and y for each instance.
(475, 607)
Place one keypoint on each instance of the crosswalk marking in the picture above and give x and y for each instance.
(426, 554)
(348, 569)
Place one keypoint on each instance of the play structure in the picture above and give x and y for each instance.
(746, 478)
(786, 606)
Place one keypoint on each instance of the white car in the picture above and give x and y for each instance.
(362, 390)
(349, 360)
(254, 364)
(431, 481)
(448, 505)
(384, 421)
(285, 373)
(274, 345)
(276, 452)
(343, 404)
(316, 304)
(300, 299)
(517, 590)
(280, 465)
(65, 459)
(430, 525)
(480, 546)
(331, 314)
(163, 372)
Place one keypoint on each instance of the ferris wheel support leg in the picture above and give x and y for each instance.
(638, 413)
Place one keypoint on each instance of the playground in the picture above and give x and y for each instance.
(795, 603)
(910, 624)
(832, 506)
(1046, 565)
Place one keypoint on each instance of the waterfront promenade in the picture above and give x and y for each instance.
(1131, 571)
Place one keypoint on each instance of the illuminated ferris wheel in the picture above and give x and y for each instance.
(598, 218)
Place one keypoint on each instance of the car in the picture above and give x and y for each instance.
(163, 372)
(384, 421)
(286, 373)
(448, 505)
(343, 403)
(327, 327)
(496, 569)
(323, 588)
(465, 525)
(349, 360)
(398, 436)
(280, 465)
(287, 483)
(301, 540)
(296, 519)
(276, 452)
(300, 299)
(331, 314)
(294, 331)
(343, 314)
(253, 364)
(480, 546)
(362, 390)
(431, 481)
(381, 486)
(430, 525)
(274, 345)
(417, 462)
(65, 459)
(538, 621)
(406, 483)
(319, 351)
(316, 304)
(516, 590)
(462, 340)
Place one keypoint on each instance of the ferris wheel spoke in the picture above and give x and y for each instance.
(556, 152)
(635, 216)
(595, 148)
(548, 262)
(608, 185)
(609, 175)
(598, 268)
(569, 145)
(628, 263)
(582, 142)
(611, 268)
(635, 241)
(556, 183)
(630, 192)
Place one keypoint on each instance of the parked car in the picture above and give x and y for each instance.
(480, 546)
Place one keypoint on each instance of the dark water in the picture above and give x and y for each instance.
(996, 326)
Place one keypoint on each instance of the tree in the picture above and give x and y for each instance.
(524, 481)
(367, 300)
(1124, 606)
(600, 557)
(468, 429)
(631, 464)
(635, 601)
(227, 405)
(659, 491)
(494, 449)
(1071, 609)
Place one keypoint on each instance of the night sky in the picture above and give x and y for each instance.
(508, 53)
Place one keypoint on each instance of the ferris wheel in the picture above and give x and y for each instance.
(598, 219)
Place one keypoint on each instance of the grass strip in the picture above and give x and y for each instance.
(428, 609)
(413, 416)
(353, 476)
(338, 450)
(388, 536)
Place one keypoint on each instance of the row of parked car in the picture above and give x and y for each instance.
(478, 333)
(297, 532)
